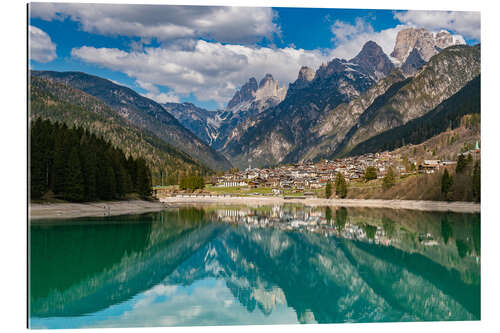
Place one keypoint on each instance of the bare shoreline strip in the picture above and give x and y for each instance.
(108, 208)
(113, 208)
(442, 206)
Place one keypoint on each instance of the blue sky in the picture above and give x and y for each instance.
(203, 54)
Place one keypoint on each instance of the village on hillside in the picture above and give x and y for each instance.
(310, 179)
(304, 176)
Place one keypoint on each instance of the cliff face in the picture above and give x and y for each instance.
(391, 102)
(253, 98)
(413, 63)
(203, 123)
(444, 75)
(414, 47)
(246, 93)
(373, 61)
(331, 130)
(283, 132)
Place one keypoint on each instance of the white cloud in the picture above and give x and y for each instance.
(41, 47)
(208, 70)
(163, 97)
(155, 94)
(224, 24)
(212, 70)
(180, 306)
(467, 24)
(343, 32)
(350, 38)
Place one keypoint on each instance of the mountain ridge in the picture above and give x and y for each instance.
(59, 102)
(142, 112)
(268, 138)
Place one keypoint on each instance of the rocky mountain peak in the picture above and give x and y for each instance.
(413, 62)
(425, 42)
(445, 39)
(306, 74)
(373, 60)
(266, 80)
(269, 88)
(267, 92)
(333, 66)
(370, 48)
(246, 93)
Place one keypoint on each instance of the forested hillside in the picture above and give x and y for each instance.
(447, 115)
(61, 103)
(142, 113)
(78, 166)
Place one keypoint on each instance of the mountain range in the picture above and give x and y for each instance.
(325, 113)
(213, 127)
(328, 112)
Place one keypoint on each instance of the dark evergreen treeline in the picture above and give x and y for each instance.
(78, 166)
(447, 115)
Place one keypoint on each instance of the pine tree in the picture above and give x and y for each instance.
(144, 183)
(328, 190)
(89, 163)
(389, 179)
(328, 215)
(446, 183)
(406, 163)
(60, 164)
(107, 181)
(476, 182)
(38, 184)
(461, 164)
(340, 185)
(340, 219)
(370, 173)
(74, 189)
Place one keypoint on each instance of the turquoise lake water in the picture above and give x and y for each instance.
(241, 265)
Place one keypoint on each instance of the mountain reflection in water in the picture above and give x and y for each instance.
(252, 265)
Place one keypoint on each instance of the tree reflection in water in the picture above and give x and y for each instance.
(327, 264)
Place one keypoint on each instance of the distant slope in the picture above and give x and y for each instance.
(142, 112)
(284, 132)
(444, 75)
(336, 123)
(59, 102)
(214, 127)
(203, 123)
(447, 114)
